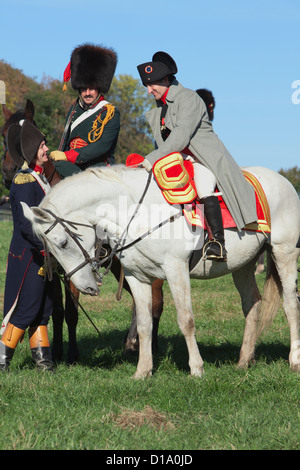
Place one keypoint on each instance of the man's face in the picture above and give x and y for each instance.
(88, 95)
(158, 89)
(42, 156)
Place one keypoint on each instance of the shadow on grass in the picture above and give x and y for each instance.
(107, 351)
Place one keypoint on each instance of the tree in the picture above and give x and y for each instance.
(129, 96)
(293, 175)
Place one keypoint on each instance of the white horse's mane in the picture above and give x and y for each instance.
(113, 173)
(109, 173)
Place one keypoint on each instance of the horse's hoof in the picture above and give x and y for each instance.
(197, 373)
(142, 375)
(72, 358)
(132, 346)
(57, 354)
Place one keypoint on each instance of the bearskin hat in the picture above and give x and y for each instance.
(92, 67)
(209, 101)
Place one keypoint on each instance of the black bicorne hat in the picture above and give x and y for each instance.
(92, 67)
(23, 141)
(162, 65)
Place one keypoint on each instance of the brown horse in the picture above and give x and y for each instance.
(70, 312)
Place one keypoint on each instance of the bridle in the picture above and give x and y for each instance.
(94, 261)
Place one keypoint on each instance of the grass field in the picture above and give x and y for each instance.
(96, 405)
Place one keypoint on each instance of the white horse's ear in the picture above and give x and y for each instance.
(35, 213)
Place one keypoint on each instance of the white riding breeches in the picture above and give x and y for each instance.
(205, 180)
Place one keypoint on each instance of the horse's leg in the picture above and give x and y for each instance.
(132, 341)
(260, 264)
(179, 283)
(244, 280)
(142, 295)
(71, 316)
(286, 263)
(57, 319)
(157, 309)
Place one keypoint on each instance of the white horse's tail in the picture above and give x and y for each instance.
(271, 297)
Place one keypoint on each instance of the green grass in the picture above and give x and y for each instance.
(97, 405)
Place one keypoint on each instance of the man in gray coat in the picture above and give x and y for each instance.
(180, 123)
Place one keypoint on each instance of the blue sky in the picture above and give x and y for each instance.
(246, 52)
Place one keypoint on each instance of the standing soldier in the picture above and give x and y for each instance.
(28, 297)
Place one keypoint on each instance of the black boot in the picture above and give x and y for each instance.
(10, 338)
(214, 249)
(43, 359)
(40, 348)
(6, 354)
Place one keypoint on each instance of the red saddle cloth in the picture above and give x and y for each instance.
(194, 215)
(178, 188)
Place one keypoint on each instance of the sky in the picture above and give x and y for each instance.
(245, 52)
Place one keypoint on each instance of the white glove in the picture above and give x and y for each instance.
(147, 165)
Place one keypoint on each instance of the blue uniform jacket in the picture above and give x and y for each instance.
(25, 252)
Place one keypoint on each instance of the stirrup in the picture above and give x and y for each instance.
(222, 256)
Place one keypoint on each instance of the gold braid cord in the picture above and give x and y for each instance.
(99, 124)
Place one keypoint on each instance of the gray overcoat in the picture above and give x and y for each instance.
(187, 119)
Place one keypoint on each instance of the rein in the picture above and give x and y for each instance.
(95, 261)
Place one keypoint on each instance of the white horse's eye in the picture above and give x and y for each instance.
(64, 244)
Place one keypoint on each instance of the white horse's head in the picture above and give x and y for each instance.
(70, 243)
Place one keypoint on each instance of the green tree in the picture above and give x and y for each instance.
(130, 97)
(51, 108)
(293, 175)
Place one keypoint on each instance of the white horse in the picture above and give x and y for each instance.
(105, 199)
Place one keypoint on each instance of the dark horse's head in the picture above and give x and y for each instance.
(8, 166)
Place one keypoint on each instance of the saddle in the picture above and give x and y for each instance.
(175, 177)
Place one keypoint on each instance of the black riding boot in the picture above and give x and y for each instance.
(214, 249)
(40, 348)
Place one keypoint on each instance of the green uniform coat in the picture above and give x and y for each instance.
(80, 124)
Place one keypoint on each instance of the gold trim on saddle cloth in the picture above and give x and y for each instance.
(263, 223)
(174, 180)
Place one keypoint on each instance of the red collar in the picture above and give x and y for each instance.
(101, 98)
(36, 168)
(164, 97)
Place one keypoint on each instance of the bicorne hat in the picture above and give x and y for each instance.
(162, 65)
(91, 67)
(23, 141)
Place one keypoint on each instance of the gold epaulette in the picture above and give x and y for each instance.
(22, 178)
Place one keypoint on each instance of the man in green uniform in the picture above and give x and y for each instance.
(93, 124)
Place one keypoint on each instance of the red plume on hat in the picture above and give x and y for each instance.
(67, 75)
